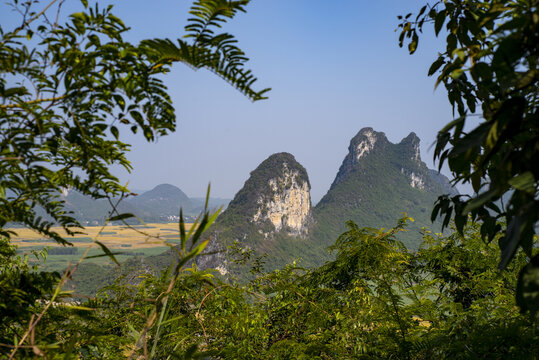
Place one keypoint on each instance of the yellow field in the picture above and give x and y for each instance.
(113, 236)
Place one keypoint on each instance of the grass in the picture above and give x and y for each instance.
(61, 262)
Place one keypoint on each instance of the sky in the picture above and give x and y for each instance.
(334, 67)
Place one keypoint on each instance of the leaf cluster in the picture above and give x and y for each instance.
(67, 88)
(489, 69)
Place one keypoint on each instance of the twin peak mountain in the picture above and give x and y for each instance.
(377, 182)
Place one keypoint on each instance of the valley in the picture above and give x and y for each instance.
(271, 215)
(124, 241)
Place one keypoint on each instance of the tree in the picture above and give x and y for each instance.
(489, 69)
(68, 88)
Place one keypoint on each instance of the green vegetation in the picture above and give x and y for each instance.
(373, 299)
(59, 258)
(489, 69)
(376, 300)
(376, 190)
(63, 251)
(83, 239)
(74, 85)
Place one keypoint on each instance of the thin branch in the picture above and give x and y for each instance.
(35, 101)
(68, 274)
(26, 23)
(58, 13)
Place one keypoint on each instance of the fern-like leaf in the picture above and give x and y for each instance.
(215, 52)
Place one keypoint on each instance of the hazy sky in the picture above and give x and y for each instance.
(334, 67)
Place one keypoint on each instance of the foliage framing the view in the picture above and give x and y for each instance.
(376, 300)
(67, 89)
(489, 69)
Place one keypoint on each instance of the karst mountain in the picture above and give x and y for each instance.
(377, 183)
(272, 217)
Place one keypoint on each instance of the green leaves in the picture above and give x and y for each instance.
(215, 52)
(77, 73)
(121, 217)
(375, 299)
(489, 61)
(528, 287)
(525, 182)
(436, 65)
(439, 19)
(82, 83)
(106, 251)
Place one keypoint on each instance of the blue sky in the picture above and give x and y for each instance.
(334, 67)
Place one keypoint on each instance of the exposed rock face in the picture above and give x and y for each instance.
(274, 205)
(362, 144)
(417, 181)
(288, 204)
(276, 197)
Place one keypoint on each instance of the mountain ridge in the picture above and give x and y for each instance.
(273, 214)
(160, 204)
(377, 182)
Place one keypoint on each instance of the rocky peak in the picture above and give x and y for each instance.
(363, 143)
(285, 199)
(277, 194)
(366, 141)
(410, 145)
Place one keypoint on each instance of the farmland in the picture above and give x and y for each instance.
(123, 241)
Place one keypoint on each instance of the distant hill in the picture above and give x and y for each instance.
(161, 204)
(90, 212)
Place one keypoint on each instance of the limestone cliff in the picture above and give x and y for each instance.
(275, 198)
(287, 204)
(271, 212)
